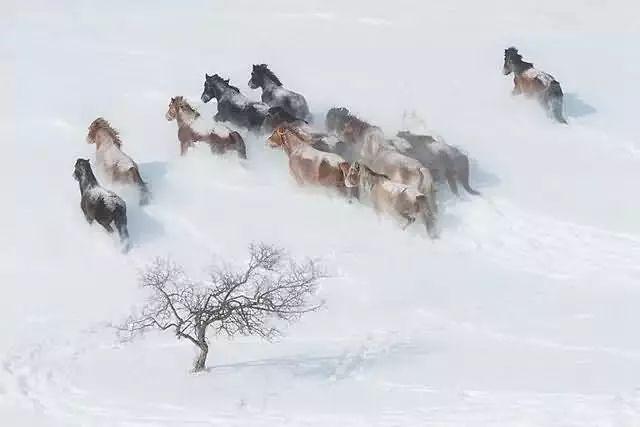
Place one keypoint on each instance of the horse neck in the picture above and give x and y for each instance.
(87, 181)
(268, 85)
(185, 118)
(290, 142)
(105, 142)
(521, 66)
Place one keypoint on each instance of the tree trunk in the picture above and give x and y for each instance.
(201, 360)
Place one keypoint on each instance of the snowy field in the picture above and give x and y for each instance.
(524, 313)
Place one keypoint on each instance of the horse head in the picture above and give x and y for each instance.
(278, 137)
(259, 74)
(511, 57)
(82, 171)
(98, 125)
(336, 118)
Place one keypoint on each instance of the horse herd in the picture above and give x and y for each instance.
(397, 176)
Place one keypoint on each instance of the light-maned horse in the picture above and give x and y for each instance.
(386, 196)
(276, 95)
(532, 82)
(192, 128)
(99, 204)
(308, 165)
(368, 146)
(112, 161)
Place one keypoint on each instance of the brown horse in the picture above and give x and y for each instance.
(307, 164)
(534, 83)
(191, 130)
(111, 160)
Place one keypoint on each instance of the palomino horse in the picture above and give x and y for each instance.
(369, 147)
(308, 165)
(275, 95)
(532, 82)
(99, 204)
(191, 130)
(444, 161)
(111, 160)
(389, 197)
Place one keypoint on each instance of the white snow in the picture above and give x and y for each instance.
(524, 312)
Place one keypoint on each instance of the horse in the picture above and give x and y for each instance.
(275, 95)
(367, 145)
(389, 197)
(233, 106)
(191, 129)
(112, 161)
(99, 204)
(534, 83)
(308, 165)
(351, 130)
(443, 160)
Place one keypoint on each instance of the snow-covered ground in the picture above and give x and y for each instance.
(525, 312)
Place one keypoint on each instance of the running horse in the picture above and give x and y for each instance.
(307, 164)
(276, 95)
(112, 160)
(532, 82)
(191, 129)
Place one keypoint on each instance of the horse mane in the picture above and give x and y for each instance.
(265, 69)
(182, 103)
(513, 54)
(101, 124)
(226, 83)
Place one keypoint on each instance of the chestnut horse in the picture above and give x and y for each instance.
(191, 130)
(307, 164)
(535, 83)
(111, 160)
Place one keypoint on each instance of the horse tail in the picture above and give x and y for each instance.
(554, 97)
(145, 194)
(120, 220)
(463, 176)
(240, 146)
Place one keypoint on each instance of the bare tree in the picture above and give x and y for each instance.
(243, 302)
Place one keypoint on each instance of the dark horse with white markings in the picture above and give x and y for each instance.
(275, 95)
(237, 109)
(534, 83)
(100, 204)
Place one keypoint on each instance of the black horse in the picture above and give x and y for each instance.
(237, 109)
(100, 204)
(275, 95)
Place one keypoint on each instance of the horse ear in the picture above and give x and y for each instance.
(207, 76)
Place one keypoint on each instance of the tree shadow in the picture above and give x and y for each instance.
(574, 106)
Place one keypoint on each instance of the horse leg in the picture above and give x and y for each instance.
(451, 179)
(463, 175)
(410, 220)
(106, 224)
(120, 220)
(239, 144)
(145, 195)
(86, 210)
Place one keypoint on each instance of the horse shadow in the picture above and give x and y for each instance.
(574, 106)
(143, 227)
